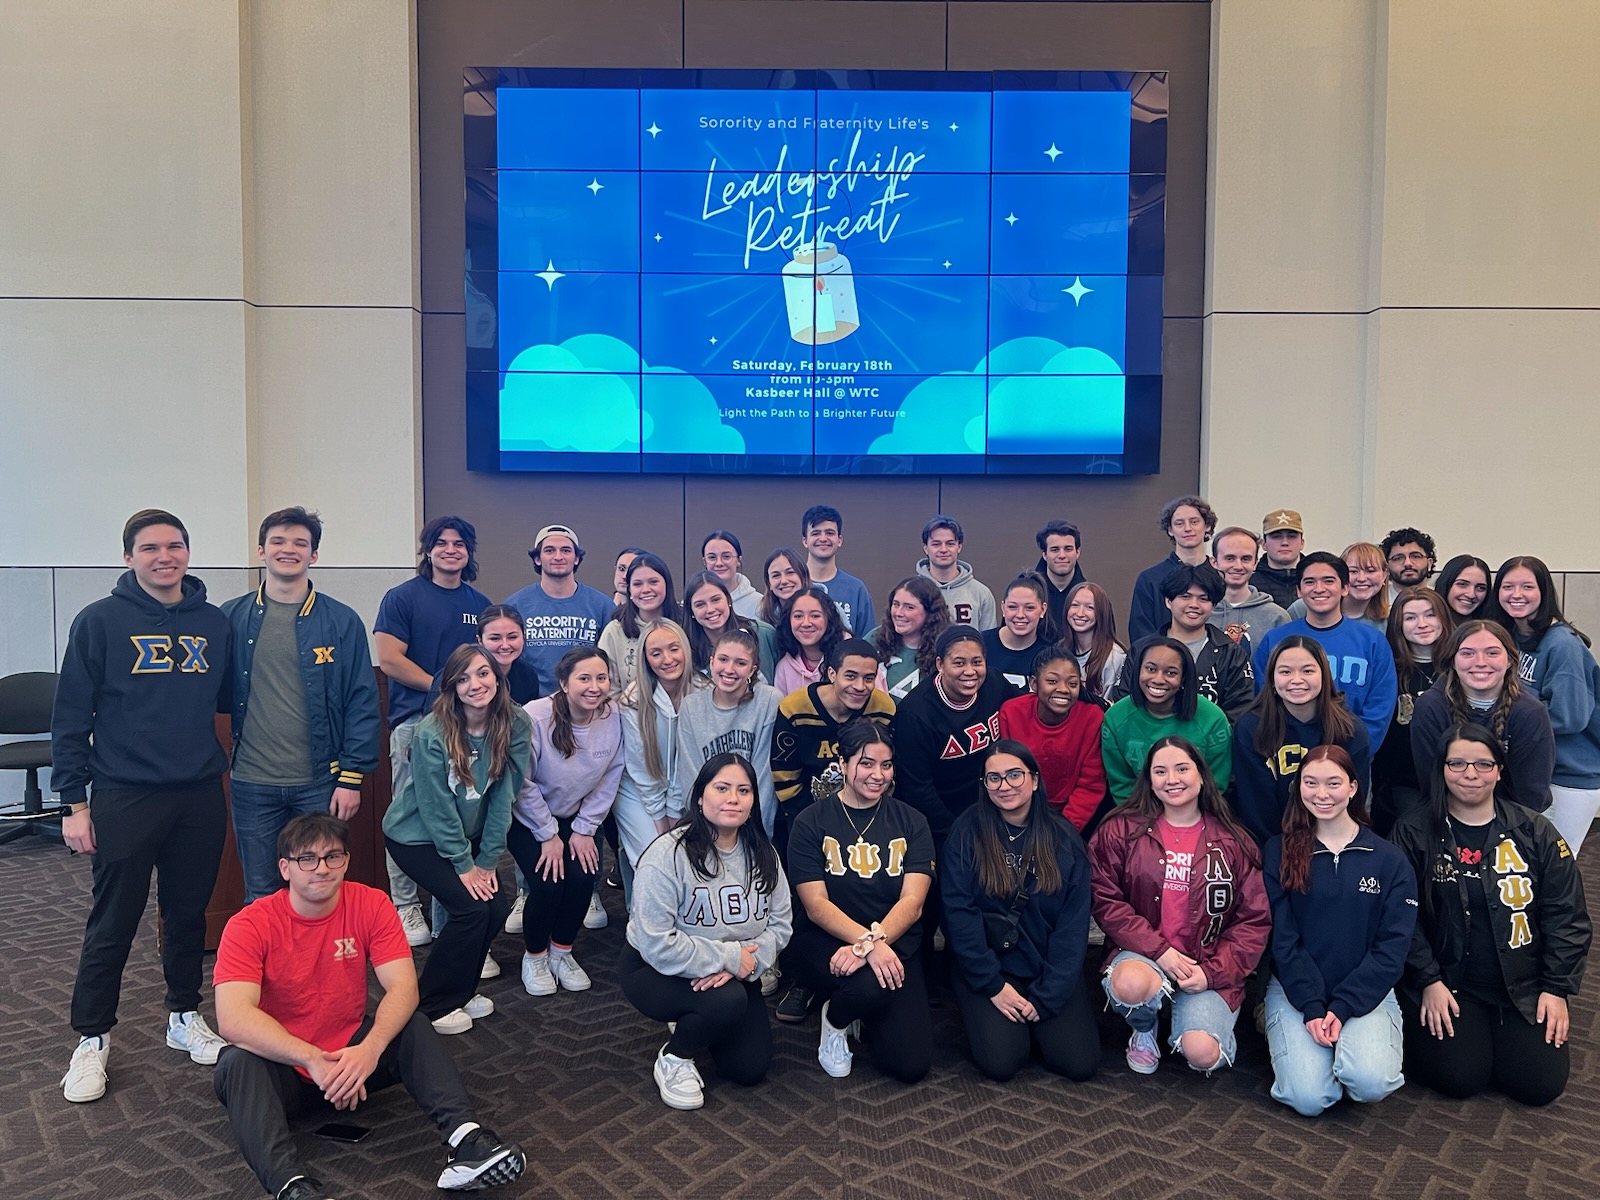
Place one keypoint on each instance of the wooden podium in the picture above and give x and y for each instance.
(366, 830)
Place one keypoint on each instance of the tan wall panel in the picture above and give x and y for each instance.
(1285, 421)
(1486, 432)
(332, 152)
(1492, 158)
(1291, 155)
(116, 405)
(120, 169)
(333, 426)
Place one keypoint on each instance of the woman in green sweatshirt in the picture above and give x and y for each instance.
(1165, 702)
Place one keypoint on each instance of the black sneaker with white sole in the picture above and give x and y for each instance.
(481, 1160)
(794, 1006)
(303, 1188)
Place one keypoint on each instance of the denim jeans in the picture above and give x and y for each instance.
(260, 811)
(1363, 1064)
(1192, 1012)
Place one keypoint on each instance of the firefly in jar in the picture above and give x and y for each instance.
(819, 291)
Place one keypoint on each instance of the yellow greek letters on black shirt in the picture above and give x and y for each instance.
(864, 858)
(1516, 891)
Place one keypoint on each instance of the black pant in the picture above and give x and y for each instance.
(730, 1021)
(1392, 801)
(1492, 1047)
(261, 1095)
(177, 831)
(1069, 1042)
(896, 1027)
(555, 908)
(450, 976)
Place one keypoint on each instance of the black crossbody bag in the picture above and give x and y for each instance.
(1004, 930)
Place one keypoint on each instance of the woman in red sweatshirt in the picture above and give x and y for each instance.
(1062, 732)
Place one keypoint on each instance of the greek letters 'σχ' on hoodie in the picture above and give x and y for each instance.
(141, 686)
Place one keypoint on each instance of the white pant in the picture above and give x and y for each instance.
(1572, 811)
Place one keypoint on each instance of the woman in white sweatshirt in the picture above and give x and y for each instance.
(711, 911)
(649, 799)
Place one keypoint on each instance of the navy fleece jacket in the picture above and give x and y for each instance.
(1339, 946)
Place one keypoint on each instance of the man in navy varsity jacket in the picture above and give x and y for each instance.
(137, 759)
(305, 702)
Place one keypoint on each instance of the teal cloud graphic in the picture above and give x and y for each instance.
(1042, 398)
(941, 415)
(681, 416)
(584, 395)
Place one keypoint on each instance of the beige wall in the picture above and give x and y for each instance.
(1404, 279)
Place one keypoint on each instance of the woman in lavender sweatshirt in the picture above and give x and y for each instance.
(573, 773)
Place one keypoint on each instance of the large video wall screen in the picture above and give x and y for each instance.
(800, 272)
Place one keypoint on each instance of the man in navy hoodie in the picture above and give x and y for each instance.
(138, 761)
(1188, 522)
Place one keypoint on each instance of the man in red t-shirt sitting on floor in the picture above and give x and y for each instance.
(291, 994)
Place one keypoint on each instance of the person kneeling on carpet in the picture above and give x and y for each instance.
(291, 994)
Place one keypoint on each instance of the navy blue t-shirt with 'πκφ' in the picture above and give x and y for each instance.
(432, 621)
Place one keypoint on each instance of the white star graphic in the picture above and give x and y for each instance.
(1053, 152)
(658, 237)
(954, 127)
(1011, 219)
(1077, 291)
(594, 185)
(947, 264)
(654, 129)
(549, 274)
(713, 341)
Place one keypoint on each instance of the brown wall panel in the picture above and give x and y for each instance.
(883, 514)
(852, 35)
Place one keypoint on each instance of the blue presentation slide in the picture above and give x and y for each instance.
(819, 278)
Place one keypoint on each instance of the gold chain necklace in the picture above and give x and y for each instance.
(861, 834)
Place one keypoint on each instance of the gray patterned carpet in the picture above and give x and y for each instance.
(569, 1077)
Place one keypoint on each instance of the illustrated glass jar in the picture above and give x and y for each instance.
(819, 291)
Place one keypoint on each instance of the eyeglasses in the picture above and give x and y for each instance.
(309, 862)
(1014, 776)
(1481, 765)
(1409, 556)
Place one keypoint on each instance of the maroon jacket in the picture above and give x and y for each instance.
(1227, 899)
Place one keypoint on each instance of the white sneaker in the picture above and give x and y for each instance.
(416, 927)
(568, 973)
(679, 1081)
(514, 918)
(85, 1079)
(478, 1007)
(491, 969)
(769, 981)
(456, 1020)
(536, 977)
(596, 917)
(833, 1051)
(189, 1031)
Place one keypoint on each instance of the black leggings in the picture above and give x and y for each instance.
(1492, 1047)
(730, 1021)
(896, 1028)
(450, 976)
(554, 910)
(1069, 1042)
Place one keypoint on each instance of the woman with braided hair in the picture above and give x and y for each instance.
(1478, 685)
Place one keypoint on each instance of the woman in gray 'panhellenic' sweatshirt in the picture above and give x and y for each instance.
(737, 713)
(711, 911)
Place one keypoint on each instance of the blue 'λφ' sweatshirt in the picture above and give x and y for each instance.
(1339, 946)
(1363, 668)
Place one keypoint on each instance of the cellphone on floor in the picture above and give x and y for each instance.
(337, 1131)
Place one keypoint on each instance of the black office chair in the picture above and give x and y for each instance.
(26, 701)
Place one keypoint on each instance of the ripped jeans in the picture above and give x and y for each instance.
(1192, 1012)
